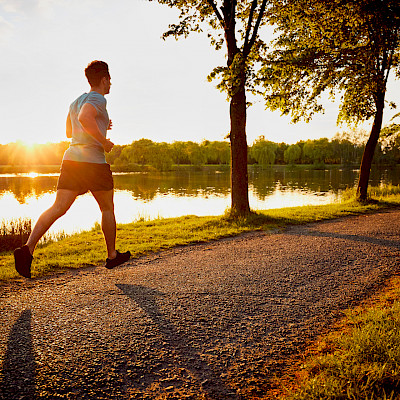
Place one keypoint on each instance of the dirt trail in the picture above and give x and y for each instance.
(209, 321)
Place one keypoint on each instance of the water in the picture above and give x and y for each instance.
(205, 192)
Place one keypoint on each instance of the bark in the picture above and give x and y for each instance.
(370, 147)
(239, 177)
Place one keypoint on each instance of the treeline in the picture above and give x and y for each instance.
(342, 149)
(162, 156)
(318, 152)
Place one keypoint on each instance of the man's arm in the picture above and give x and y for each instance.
(69, 127)
(87, 118)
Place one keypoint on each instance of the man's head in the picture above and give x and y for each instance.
(96, 71)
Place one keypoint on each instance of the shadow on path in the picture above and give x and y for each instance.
(19, 368)
(356, 238)
(189, 358)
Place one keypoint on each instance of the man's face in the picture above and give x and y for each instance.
(107, 84)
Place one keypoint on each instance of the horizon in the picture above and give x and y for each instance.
(35, 144)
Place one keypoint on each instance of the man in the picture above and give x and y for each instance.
(83, 169)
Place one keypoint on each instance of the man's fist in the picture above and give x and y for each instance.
(108, 145)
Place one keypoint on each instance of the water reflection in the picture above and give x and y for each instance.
(206, 192)
(24, 186)
(148, 186)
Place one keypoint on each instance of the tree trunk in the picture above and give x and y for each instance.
(369, 150)
(239, 178)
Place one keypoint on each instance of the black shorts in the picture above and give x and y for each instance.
(82, 177)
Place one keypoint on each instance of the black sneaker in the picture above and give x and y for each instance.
(23, 261)
(120, 259)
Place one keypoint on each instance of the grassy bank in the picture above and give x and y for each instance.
(359, 359)
(87, 248)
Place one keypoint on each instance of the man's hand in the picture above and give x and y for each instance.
(108, 145)
(109, 125)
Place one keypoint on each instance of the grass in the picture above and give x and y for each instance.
(14, 233)
(87, 248)
(360, 359)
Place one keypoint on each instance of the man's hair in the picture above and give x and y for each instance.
(95, 71)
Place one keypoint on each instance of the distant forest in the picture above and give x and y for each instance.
(342, 149)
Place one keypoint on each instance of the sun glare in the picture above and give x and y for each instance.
(30, 146)
(32, 174)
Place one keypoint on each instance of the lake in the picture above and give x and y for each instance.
(203, 192)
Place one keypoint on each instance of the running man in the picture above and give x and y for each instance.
(83, 169)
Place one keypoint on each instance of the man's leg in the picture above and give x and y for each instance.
(23, 255)
(64, 200)
(105, 199)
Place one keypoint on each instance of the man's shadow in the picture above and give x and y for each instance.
(19, 369)
(189, 358)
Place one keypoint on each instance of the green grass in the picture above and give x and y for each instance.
(14, 233)
(87, 248)
(359, 360)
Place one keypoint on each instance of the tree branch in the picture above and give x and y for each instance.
(390, 63)
(233, 12)
(217, 13)
(249, 23)
(255, 30)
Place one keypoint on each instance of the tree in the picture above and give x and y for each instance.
(179, 153)
(231, 22)
(140, 151)
(161, 156)
(336, 46)
(292, 154)
(264, 151)
(196, 154)
(216, 152)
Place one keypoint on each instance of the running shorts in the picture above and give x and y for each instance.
(82, 177)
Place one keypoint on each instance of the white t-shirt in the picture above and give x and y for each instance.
(84, 147)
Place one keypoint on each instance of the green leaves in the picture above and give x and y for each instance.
(345, 48)
(226, 21)
(264, 151)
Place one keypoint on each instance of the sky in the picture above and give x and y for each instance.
(159, 88)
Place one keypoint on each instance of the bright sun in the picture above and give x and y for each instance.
(29, 145)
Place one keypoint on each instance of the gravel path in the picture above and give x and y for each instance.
(209, 321)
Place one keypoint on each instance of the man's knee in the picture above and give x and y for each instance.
(106, 207)
(60, 209)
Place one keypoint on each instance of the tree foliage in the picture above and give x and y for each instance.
(264, 151)
(345, 48)
(292, 154)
